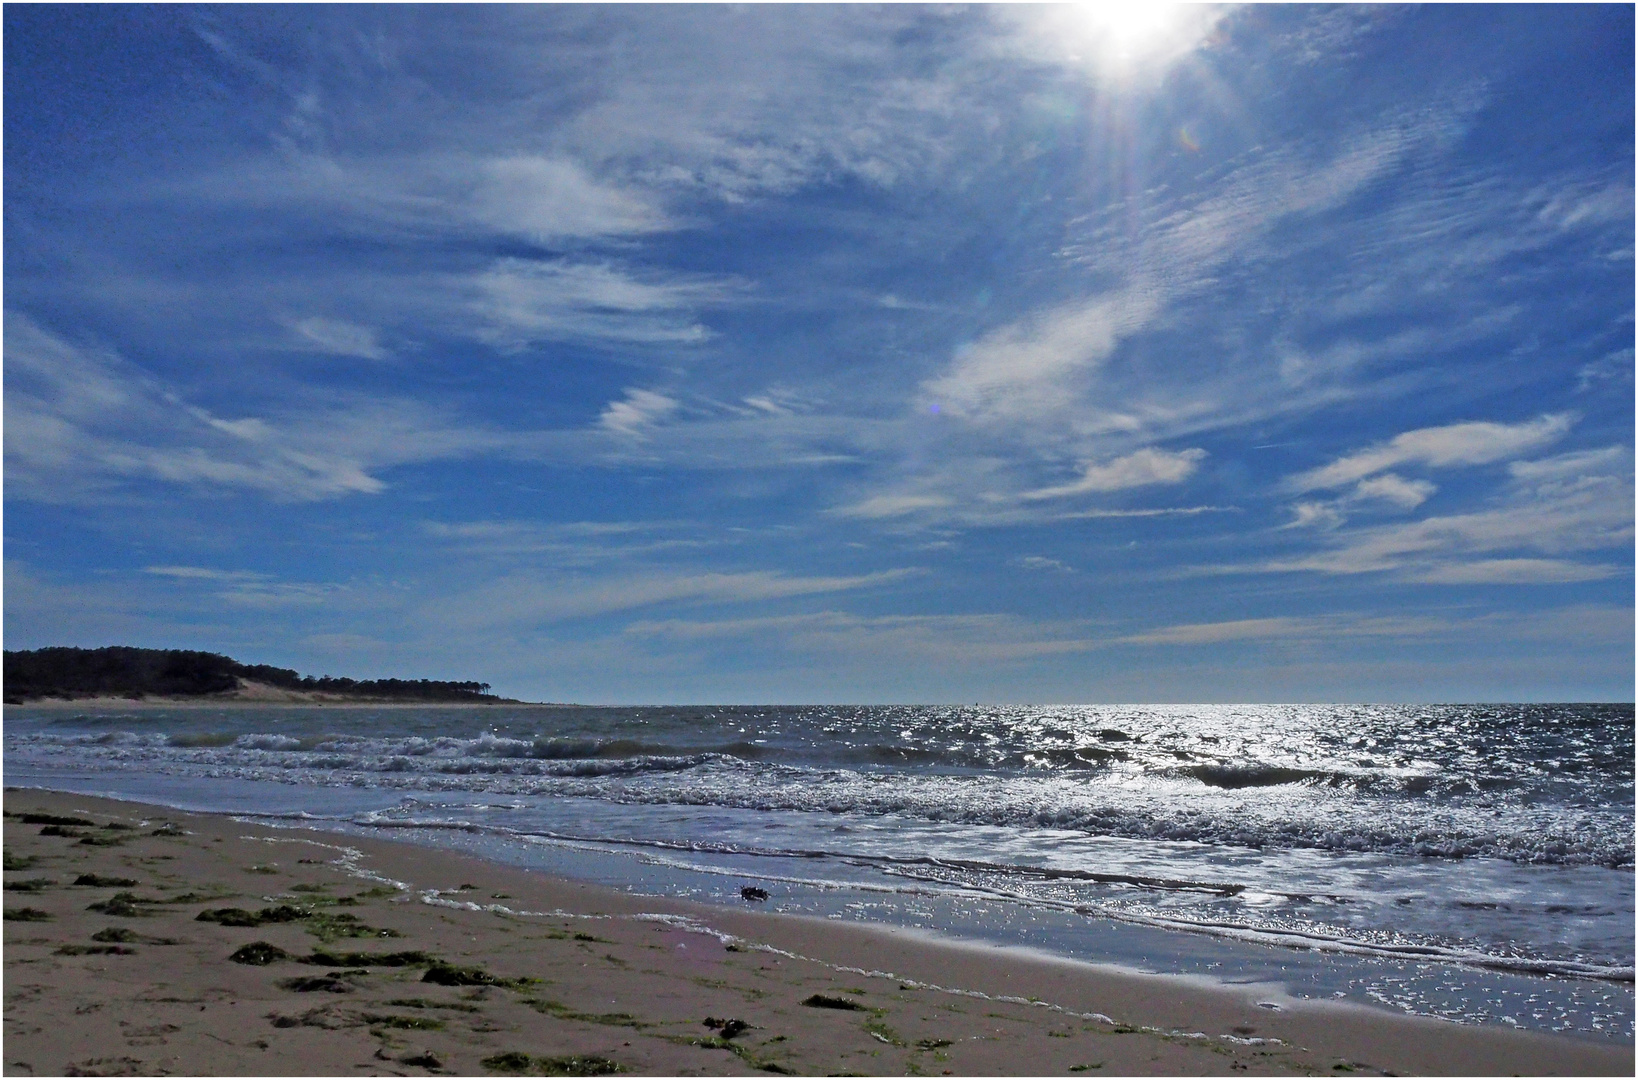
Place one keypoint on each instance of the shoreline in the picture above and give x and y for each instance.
(927, 1003)
(114, 703)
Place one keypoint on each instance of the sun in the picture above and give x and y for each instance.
(1125, 37)
(1127, 28)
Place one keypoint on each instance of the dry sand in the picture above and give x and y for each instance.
(543, 976)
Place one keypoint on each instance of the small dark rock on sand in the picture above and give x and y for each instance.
(751, 892)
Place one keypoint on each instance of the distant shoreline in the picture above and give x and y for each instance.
(251, 695)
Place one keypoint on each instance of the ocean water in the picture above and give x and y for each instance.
(1473, 862)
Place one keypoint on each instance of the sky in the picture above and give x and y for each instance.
(810, 354)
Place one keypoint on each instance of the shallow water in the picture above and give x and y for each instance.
(1474, 862)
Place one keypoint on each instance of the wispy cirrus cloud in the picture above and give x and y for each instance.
(1477, 443)
(338, 337)
(1138, 469)
(1549, 510)
(638, 411)
(519, 301)
(82, 422)
(525, 599)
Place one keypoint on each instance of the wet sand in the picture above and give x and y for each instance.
(375, 958)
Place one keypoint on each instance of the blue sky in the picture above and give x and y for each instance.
(816, 354)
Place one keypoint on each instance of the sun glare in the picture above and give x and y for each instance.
(1128, 27)
(1124, 37)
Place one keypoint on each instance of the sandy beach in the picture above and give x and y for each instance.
(143, 941)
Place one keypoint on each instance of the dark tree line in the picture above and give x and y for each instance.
(121, 671)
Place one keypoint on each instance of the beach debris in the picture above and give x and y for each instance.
(426, 1059)
(95, 950)
(932, 1044)
(362, 959)
(510, 1061)
(27, 914)
(228, 916)
(513, 1061)
(728, 1027)
(121, 936)
(423, 1003)
(322, 1017)
(751, 892)
(125, 905)
(109, 1066)
(335, 982)
(326, 928)
(578, 1065)
(259, 954)
(444, 974)
(408, 1023)
(825, 1001)
(103, 841)
(564, 1012)
(114, 933)
(31, 885)
(97, 881)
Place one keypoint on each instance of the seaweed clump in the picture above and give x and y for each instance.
(126, 905)
(31, 885)
(449, 975)
(825, 1001)
(364, 959)
(512, 1061)
(258, 954)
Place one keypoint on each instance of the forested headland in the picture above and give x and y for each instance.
(126, 672)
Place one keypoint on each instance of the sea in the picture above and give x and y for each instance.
(1466, 862)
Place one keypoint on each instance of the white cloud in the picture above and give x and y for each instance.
(1515, 572)
(889, 506)
(1215, 633)
(930, 638)
(637, 412)
(1138, 469)
(524, 599)
(338, 338)
(1438, 447)
(1308, 627)
(82, 423)
(548, 199)
(1575, 502)
(520, 301)
(1390, 487)
(1019, 371)
(1322, 515)
(202, 573)
(1041, 562)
